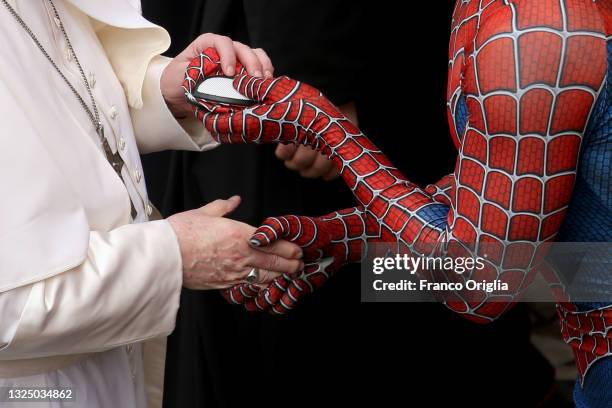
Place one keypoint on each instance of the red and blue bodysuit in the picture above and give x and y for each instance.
(530, 112)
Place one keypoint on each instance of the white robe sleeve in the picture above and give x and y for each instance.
(125, 291)
(156, 128)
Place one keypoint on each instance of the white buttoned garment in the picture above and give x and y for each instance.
(82, 284)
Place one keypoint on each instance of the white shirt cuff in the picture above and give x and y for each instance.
(156, 128)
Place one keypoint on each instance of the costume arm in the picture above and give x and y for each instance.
(516, 168)
(126, 290)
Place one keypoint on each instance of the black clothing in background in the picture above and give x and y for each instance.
(332, 348)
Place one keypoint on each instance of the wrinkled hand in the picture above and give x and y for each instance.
(327, 242)
(232, 56)
(216, 253)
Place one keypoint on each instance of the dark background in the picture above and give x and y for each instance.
(391, 59)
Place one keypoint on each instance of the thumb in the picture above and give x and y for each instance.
(220, 208)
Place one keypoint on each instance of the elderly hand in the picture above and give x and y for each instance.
(255, 61)
(216, 253)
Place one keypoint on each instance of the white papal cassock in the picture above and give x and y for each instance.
(83, 287)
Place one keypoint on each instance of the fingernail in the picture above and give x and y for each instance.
(268, 74)
(257, 74)
(229, 70)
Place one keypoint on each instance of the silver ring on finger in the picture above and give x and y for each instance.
(253, 276)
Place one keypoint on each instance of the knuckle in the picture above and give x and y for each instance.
(235, 257)
(235, 235)
(242, 268)
(265, 277)
(273, 262)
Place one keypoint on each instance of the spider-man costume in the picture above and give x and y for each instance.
(531, 116)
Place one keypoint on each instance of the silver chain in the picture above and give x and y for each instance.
(95, 115)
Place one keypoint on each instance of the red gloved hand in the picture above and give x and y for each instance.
(328, 242)
(286, 111)
(206, 65)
